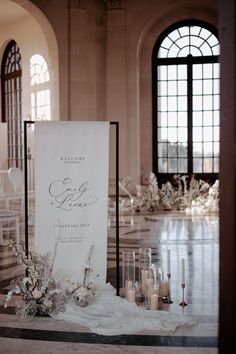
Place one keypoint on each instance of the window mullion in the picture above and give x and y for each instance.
(190, 115)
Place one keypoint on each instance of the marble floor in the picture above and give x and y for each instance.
(195, 238)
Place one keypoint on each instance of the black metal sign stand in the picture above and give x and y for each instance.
(116, 124)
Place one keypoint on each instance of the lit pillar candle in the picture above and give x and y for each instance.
(149, 284)
(144, 276)
(131, 295)
(164, 288)
(128, 286)
(168, 261)
(154, 300)
(183, 271)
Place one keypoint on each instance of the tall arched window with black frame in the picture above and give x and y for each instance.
(186, 124)
(11, 81)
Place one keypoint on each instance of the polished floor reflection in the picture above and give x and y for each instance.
(196, 239)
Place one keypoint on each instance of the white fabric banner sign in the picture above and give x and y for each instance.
(71, 169)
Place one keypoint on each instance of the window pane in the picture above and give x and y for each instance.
(206, 49)
(216, 85)
(216, 70)
(162, 149)
(216, 118)
(182, 87)
(182, 72)
(197, 71)
(197, 103)
(182, 166)
(172, 103)
(197, 134)
(216, 165)
(162, 72)
(166, 43)
(197, 119)
(172, 134)
(216, 102)
(172, 165)
(207, 149)
(207, 119)
(182, 135)
(195, 51)
(172, 150)
(197, 87)
(162, 134)
(172, 72)
(172, 119)
(216, 133)
(162, 165)
(197, 149)
(172, 88)
(162, 53)
(197, 165)
(207, 134)
(216, 149)
(207, 87)
(208, 71)
(182, 119)
(162, 119)
(207, 102)
(162, 88)
(182, 150)
(162, 104)
(182, 103)
(207, 165)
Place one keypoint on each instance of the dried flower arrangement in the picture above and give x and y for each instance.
(41, 293)
(83, 293)
(195, 197)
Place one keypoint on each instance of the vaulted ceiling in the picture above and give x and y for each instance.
(10, 12)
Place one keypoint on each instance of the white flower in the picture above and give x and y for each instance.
(36, 294)
(82, 292)
(54, 291)
(48, 303)
(26, 280)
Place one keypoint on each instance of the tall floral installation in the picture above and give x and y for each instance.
(195, 197)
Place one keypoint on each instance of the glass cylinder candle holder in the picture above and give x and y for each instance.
(154, 300)
(144, 271)
(164, 290)
(131, 293)
(128, 271)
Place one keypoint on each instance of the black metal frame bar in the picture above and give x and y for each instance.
(116, 124)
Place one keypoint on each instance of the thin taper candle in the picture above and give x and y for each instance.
(183, 271)
(168, 261)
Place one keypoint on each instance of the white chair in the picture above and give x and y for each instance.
(9, 225)
(16, 178)
(1, 185)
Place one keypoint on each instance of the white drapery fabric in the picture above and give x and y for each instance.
(112, 315)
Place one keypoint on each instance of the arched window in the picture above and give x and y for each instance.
(186, 101)
(11, 74)
(40, 91)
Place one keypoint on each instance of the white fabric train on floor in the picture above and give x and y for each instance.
(113, 315)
